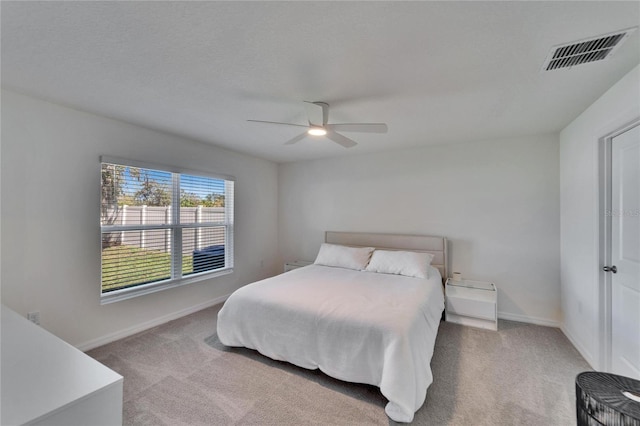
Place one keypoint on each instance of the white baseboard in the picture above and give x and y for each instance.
(550, 323)
(528, 319)
(112, 337)
(579, 347)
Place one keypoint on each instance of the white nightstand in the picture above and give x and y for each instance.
(473, 303)
(288, 266)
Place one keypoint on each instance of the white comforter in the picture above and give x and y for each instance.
(361, 327)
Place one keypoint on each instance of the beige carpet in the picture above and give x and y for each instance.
(179, 374)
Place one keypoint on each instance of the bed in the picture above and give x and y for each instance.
(361, 326)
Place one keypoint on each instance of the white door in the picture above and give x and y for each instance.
(625, 253)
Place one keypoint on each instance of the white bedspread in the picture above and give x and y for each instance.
(361, 327)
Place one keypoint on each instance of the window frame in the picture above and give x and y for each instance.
(175, 227)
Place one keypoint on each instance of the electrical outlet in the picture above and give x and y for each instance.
(34, 317)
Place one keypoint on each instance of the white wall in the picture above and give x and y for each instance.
(496, 201)
(579, 211)
(50, 218)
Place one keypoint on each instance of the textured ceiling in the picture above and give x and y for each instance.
(435, 72)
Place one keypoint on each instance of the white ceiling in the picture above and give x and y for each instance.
(435, 72)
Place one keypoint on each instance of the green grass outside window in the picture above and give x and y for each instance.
(125, 266)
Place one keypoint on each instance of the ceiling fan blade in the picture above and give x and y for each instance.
(296, 139)
(314, 113)
(325, 112)
(341, 140)
(359, 127)
(276, 122)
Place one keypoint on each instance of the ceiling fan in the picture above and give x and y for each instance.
(319, 126)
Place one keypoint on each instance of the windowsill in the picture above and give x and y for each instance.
(129, 293)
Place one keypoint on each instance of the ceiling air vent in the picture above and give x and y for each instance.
(585, 51)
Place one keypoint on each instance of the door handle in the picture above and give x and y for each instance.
(610, 269)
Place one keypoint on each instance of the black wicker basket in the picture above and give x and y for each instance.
(607, 399)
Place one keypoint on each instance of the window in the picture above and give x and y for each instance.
(162, 228)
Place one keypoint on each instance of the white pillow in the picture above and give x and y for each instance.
(408, 263)
(343, 256)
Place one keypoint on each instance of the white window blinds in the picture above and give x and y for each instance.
(162, 228)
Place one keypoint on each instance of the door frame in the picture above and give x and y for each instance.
(604, 240)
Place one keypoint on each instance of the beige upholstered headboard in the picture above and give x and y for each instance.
(434, 245)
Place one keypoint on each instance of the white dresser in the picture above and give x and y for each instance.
(473, 303)
(46, 381)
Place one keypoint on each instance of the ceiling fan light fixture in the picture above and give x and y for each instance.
(317, 131)
(331, 131)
